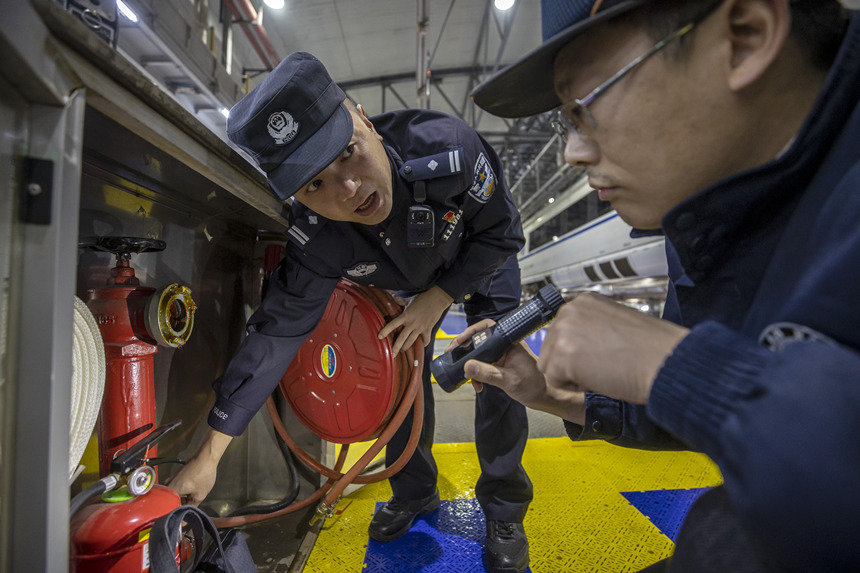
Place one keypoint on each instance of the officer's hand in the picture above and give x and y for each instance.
(197, 478)
(418, 319)
(516, 373)
(193, 483)
(598, 345)
(467, 334)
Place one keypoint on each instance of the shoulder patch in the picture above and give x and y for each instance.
(433, 166)
(484, 182)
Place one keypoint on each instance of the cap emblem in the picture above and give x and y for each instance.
(282, 127)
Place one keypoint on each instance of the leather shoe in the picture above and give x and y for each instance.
(506, 549)
(395, 517)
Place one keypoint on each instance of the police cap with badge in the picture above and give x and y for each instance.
(293, 124)
(525, 87)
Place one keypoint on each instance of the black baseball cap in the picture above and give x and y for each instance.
(526, 87)
(293, 124)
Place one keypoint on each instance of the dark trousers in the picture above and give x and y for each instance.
(712, 540)
(504, 490)
(661, 566)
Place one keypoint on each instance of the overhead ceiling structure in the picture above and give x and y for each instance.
(386, 54)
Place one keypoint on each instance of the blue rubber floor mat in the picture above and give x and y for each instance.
(665, 508)
(449, 540)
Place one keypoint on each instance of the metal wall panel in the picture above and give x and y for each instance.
(12, 116)
(40, 335)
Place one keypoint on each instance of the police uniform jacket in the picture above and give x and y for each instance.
(477, 228)
(765, 269)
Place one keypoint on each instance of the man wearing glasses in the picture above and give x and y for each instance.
(733, 128)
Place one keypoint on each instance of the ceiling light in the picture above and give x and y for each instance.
(126, 11)
(504, 4)
(274, 4)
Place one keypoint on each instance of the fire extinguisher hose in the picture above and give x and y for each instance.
(107, 483)
(88, 382)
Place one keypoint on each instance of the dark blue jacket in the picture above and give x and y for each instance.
(477, 229)
(765, 269)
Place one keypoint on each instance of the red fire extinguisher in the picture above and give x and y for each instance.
(133, 321)
(112, 536)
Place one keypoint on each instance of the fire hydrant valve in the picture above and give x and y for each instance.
(170, 315)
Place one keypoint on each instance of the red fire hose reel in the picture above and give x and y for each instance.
(345, 382)
(346, 385)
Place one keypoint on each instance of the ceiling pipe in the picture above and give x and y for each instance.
(422, 74)
(244, 13)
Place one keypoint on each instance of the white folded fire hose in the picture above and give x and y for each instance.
(88, 382)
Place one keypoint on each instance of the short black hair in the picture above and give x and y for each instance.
(817, 25)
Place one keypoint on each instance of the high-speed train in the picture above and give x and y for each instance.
(598, 254)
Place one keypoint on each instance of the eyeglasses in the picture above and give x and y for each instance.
(574, 117)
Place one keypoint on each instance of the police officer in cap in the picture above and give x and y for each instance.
(366, 191)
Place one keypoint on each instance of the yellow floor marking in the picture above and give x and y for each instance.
(578, 521)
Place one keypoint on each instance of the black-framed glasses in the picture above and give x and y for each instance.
(574, 116)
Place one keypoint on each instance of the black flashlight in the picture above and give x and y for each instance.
(490, 344)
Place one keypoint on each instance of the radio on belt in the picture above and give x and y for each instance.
(490, 344)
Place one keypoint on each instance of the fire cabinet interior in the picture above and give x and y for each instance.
(127, 160)
(215, 246)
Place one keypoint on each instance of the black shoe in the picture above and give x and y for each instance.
(506, 549)
(395, 517)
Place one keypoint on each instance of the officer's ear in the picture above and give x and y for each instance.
(757, 31)
(363, 116)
